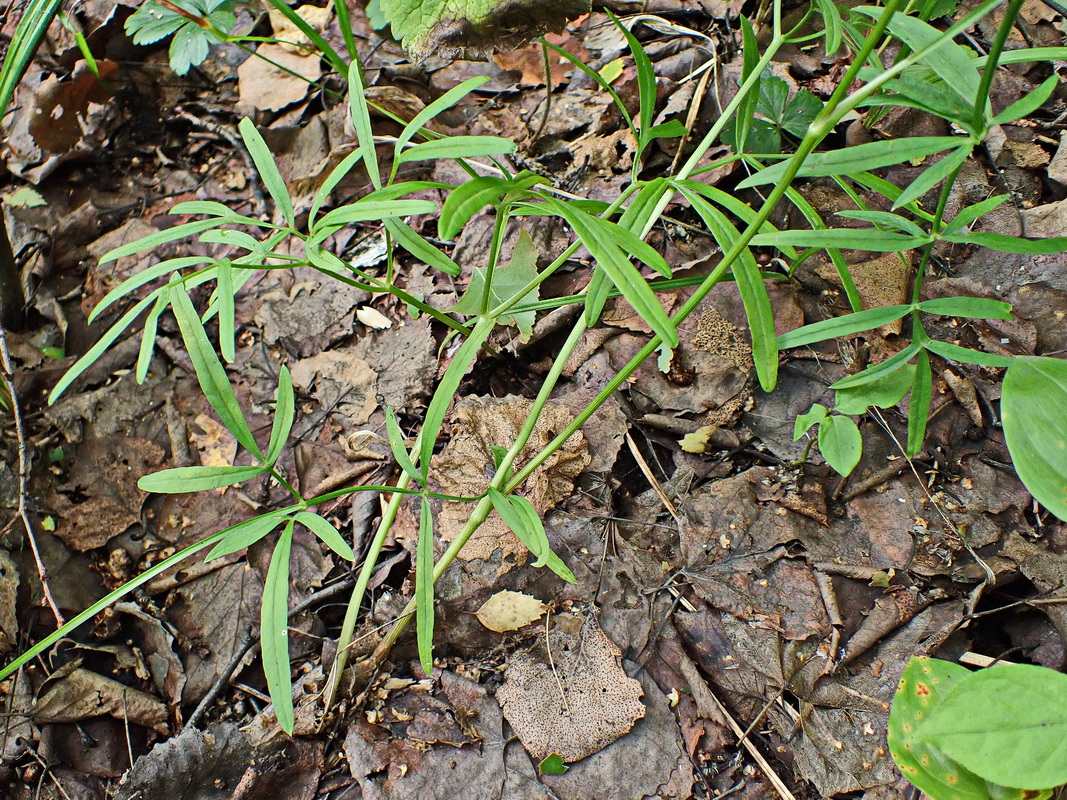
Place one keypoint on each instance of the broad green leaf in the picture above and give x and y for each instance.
(919, 407)
(245, 534)
(419, 247)
(953, 352)
(617, 265)
(973, 307)
(424, 610)
(508, 281)
(398, 446)
(327, 533)
(284, 413)
(147, 275)
(103, 344)
(1007, 724)
(182, 480)
(1010, 244)
(468, 199)
(923, 686)
(842, 326)
(209, 370)
(554, 764)
(1035, 427)
(885, 392)
(861, 158)
(357, 100)
(446, 391)
(457, 147)
(1028, 103)
(840, 443)
(274, 630)
(749, 285)
(816, 414)
(154, 240)
(268, 170)
(934, 175)
(878, 370)
(870, 239)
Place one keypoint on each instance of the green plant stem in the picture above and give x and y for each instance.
(935, 228)
(345, 23)
(485, 506)
(500, 226)
(989, 71)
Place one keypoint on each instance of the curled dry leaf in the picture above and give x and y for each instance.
(509, 611)
(569, 695)
(82, 694)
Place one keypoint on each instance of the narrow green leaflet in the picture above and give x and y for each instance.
(245, 534)
(268, 170)
(922, 687)
(842, 326)
(1035, 427)
(327, 533)
(148, 336)
(209, 370)
(367, 209)
(840, 443)
(152, 241)
(750, 286)
(446, 391)
(468, 199)
(546, 556)
(919, 407)
(617, 265)
(419, 247)
(457, 147)
(227, 314)
(870, 239)
(1009, 244)
(1028, 103)
(973, 307)
(284, 413)
(424, 611)
(103, 344)
(147, 275)
(953, 352)
(831, 18)
(934, 175)
(337, 174)
(646, 82)
(182, 480)
(357, 99)
(1007, 724)
(442, 103)
(398, 446)
(970, 214)
(885, 219)
(861, 158)
(274, 630)
(632, 244)
(878, 370)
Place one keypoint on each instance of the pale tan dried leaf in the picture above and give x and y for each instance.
(264, 86)
(216, 445)
(509, 611)
(291, 36)
(373, 318)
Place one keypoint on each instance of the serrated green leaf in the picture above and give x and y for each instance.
(284, 414)
(424, 610)
(274, 630)
(326, 532)
(182, 480)
(840, 443)
(842, 326)
(1035, 427)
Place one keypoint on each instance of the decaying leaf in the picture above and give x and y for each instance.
(82, 694)
(264, 86)
(216, 444)
(463, 468)
(569, 695)
(509, 611)
(290, 37)
(9, 586)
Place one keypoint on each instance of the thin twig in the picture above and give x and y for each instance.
(7, 376)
